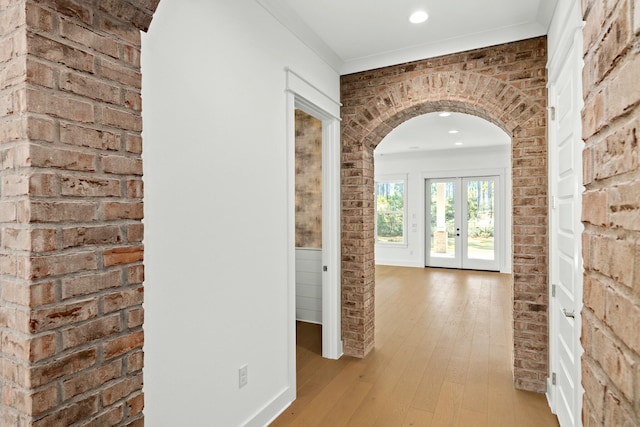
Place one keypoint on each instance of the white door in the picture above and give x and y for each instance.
(462, 223)
(566, 269)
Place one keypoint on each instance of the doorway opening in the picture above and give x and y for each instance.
(443, 194)
(464, 223)
(308, 233)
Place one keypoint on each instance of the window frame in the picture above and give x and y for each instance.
(392, 179)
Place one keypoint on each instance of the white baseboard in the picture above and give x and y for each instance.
(273, 409)
(400, 263)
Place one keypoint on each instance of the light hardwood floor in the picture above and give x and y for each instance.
(442, 358)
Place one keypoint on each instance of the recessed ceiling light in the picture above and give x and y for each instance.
(444, 114)
(418, 17)
(452, 131)
(459, 143)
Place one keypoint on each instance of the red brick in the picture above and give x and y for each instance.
(70, 414)
(53, 157)
(87, 236)
(133, 100)
(122, 165)
(63, 366)
(123, 255)
(89, 87)
(37, 267)
(76, 9)
(39, 18)
(45, 319)
(29, 294)
(135, 274)
(60, 106)
(135, 404)
(624, 206)
(114, 27)
(135, 317)
(131, 55)
(135, 362)
(122, 299)
(34, 240)
(40, 128)
(40, 74)
(122, 119)
(135, 232)
(111, 417)
(87, 137)
(123, 210)
(623, 90)
(122, 345)
(595, 207)
(87, 186)
(59, 53)
(135, 189)
(134, 144)
(122, 389)
(88, 38)
(120, 73)
(88, 284)
(91, 380)
(50, 212)
(127, 11)
(102, 327)
(623, 316)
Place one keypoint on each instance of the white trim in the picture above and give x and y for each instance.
(289, 19)
(307, 97)
(273, 409)
(310, 96)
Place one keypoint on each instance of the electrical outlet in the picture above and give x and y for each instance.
(243, 376)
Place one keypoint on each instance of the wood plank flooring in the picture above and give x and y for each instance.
(442, 358)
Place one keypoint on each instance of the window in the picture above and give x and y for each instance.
(390, 211)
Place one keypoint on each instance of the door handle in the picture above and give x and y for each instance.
(569, 314)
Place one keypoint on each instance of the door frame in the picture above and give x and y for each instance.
(503, 206)
(303, 95)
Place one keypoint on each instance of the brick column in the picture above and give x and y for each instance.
(70, 212)
(611, 214)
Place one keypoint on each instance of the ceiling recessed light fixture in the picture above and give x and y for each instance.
(452, 131)
(444, 114)
(418, 17)
(459, 143)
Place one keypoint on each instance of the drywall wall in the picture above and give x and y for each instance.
(216, 233)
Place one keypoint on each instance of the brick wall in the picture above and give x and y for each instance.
(504, 84)
(70, 212)
(308, 181)
(611, 214)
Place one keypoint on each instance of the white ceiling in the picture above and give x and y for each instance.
(430, 132)
(358, 35)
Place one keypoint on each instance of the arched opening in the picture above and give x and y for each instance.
(376, 102)
(443, 194)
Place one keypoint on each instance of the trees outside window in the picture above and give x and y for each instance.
(390, 212)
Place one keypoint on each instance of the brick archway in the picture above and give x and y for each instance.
(505, 85)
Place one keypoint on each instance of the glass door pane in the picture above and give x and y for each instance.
(481, 219)
(444, 226)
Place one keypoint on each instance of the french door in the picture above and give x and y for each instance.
(462, 223)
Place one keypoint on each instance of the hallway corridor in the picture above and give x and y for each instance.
(442, 358)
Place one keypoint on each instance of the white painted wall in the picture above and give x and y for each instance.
(216, 214)
(447, 163)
